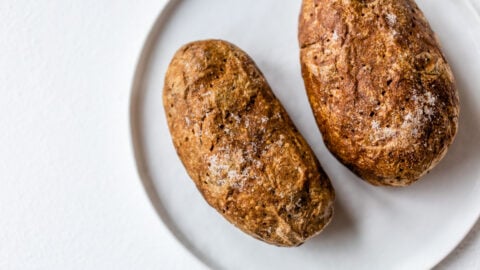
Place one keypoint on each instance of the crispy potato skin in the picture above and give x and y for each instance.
(240, 147)
(381, 90)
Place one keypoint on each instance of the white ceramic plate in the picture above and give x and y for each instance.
(373, 228)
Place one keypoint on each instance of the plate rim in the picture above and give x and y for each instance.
(142, 61)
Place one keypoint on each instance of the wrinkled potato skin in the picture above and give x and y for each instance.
(381, 90)
(240, 147)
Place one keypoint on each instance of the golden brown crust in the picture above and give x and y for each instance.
(240, 147)
(381, 90)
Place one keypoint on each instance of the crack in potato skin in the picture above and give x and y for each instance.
(240, 147)
(381, 90)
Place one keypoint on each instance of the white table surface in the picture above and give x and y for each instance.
(70, 196)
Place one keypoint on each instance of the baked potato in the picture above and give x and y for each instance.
(381, 90)
(240, 147)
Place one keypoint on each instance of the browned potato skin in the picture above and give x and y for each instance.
(382, 93)
(240, 147)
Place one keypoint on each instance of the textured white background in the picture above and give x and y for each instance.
(70, 197)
